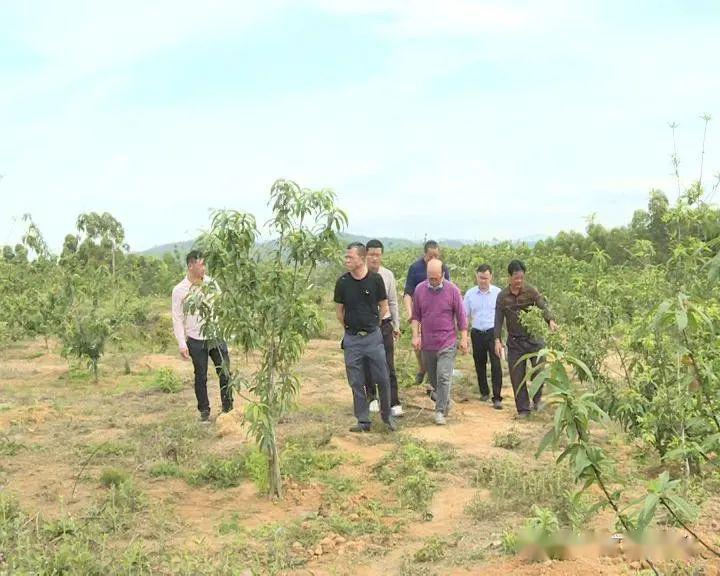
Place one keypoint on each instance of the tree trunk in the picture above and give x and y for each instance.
(274, 467)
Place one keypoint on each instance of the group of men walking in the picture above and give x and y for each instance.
(366, 306)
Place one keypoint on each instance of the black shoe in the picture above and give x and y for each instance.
(391, 424)
(419, 377)
(523, 415)
(227, 409)
(205, 417)
(484, 397)
(497, 404)
(360, 428)
(538, 405)
(431, 393)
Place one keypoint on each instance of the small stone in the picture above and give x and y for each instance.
(297, 546)
(318, 550)
(635, 565)
(340, 540)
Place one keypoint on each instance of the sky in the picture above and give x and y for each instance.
(441, 119)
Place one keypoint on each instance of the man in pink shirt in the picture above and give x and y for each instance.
(439, 311)
(192, 342)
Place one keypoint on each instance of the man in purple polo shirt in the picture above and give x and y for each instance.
(438, 311)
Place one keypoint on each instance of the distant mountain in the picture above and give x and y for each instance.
(390, 243)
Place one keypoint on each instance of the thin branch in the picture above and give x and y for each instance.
(687, 528)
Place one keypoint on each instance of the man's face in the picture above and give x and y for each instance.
(374, 259)
(353, 260)
(484, 279)
(517, 279)
(197, 268)
(435, 277)
(432, 254)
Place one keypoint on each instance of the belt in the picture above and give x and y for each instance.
(387, 321)
(354, 332)
(482, 331)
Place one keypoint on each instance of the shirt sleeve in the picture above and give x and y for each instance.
(466, 304)
(446, 272)
(460, 315)
(541, 303)
(380, 287)
(338, 297)
(178, 318)
(416, 309)
(393, 301)
(409, 286)
(499, 317)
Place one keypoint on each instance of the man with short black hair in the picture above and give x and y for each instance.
(188, 330)
(361, 301)
(417, 272)
(480, 308)
(515, 298)
(390, 328)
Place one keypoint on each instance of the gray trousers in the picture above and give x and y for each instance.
(439, 365)
(370, 350)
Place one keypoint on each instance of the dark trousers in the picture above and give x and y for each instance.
(516, 349)
(483, 346)
(199, 352)
(370, 384)
(357, 349)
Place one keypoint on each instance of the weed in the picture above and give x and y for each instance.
(9, 447)
(510, 542)
(219, 472)
(113, 477)
(166, 470)
(166, 380)
(481, 509)
(508, 440)
(434, 549)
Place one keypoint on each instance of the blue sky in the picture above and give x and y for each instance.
(456, 118)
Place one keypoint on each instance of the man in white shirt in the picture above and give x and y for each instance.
(480, 303)
(191, 340)
(390, 328)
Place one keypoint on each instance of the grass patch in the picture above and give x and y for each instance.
(9, 447)
(109, 449)
(166, 380)
(513, 487)
(219, 472)
(434, 549)
(113, 477)
(166, 470)
(508, 440)
(408, 466)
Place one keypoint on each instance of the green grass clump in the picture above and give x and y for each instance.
(166, 380)
(113, 477)
(508, 440)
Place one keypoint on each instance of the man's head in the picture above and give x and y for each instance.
(435, 273)
(483, 276)
(431, 250)
(195, 264)
(355, 256)
(516, 271)
(375, 250)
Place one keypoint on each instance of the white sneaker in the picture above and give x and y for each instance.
(374, 406)
(396, 410)
(440, 419)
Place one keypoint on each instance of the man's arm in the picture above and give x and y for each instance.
(497, 328)
(384, 308)
(462, 321)
(541, 302)
(415, 325)
(178, 320)
(408, 302)
(340, 314)
(393, 303)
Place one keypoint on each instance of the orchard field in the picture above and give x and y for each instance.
(105, 469)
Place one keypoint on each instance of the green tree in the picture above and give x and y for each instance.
(265, 303)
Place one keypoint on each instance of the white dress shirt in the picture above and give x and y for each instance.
(480, 307)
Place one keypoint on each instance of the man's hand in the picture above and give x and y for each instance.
(416, 342)
(464, 344)
(499, 348)
(185, 354)
(553, 325)
(396, 335)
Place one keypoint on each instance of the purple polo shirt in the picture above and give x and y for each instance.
(440, 313)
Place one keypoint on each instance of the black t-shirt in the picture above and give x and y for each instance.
(361, 299)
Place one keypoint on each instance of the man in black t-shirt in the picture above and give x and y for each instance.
(361, 300)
